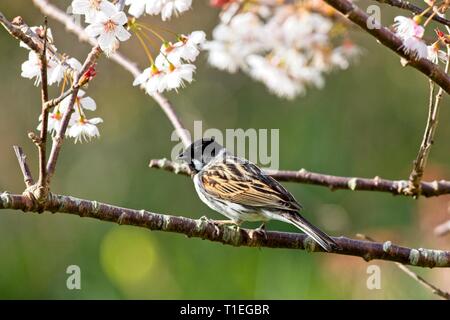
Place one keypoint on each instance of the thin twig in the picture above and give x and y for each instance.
(419, 163)
(55, 101)
(59, 15)
(17, 33)
(435, 290)
(42, 145)
(428, 136)
(443, 294)
(395, 187)
(26, 172)
(207, 229)
(59, 138)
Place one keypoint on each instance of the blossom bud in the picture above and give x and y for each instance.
(219, 3)
(87, 76)
(418, 19)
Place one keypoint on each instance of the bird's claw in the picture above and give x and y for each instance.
(261, 230)
(205, 219)
(213, 222)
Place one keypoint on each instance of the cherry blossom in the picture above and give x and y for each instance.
(138, 7)
(108, 29)
(435, 54)
(187, 48)
(84, 129)
(53, 123)
(91, 8)
(153, 80)
(32, 69)
(174, 7)
(416, 47)
(176, 75)
(274, 77)
(406, 27)
(285, 47)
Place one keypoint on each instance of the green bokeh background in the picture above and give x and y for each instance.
(367, 121)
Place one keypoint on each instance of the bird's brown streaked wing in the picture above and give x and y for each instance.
(243, 183)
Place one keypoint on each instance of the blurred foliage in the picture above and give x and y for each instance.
(367, 121)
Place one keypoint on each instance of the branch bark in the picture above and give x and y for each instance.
(391, 41)
(42, 145)
(206, 229)
(395, 187)
(22, 159)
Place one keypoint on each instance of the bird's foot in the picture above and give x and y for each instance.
(219, 223)
(205, 219)
(211, 221)
(236, 225)
(260, 231)
(225, 222)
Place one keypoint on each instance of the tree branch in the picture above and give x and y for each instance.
(22, 159)
(42, 145)
(46, 170)
(428, 136)
(54, 102)
(395, 187)
(59, 138)
(54, 12)
(16, 31)
(391, 41)
(206, 229)
(414, 9)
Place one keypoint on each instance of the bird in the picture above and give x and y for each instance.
(241, 191)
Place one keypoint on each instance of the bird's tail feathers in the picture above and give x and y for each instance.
(319, 236)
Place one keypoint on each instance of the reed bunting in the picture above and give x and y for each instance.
(239, 190)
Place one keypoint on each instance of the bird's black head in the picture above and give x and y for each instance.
(200, 153)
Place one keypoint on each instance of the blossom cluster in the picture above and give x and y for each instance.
(411, 32)
(108, 23)
(288, 47)
(172, 67)
(61, 69)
